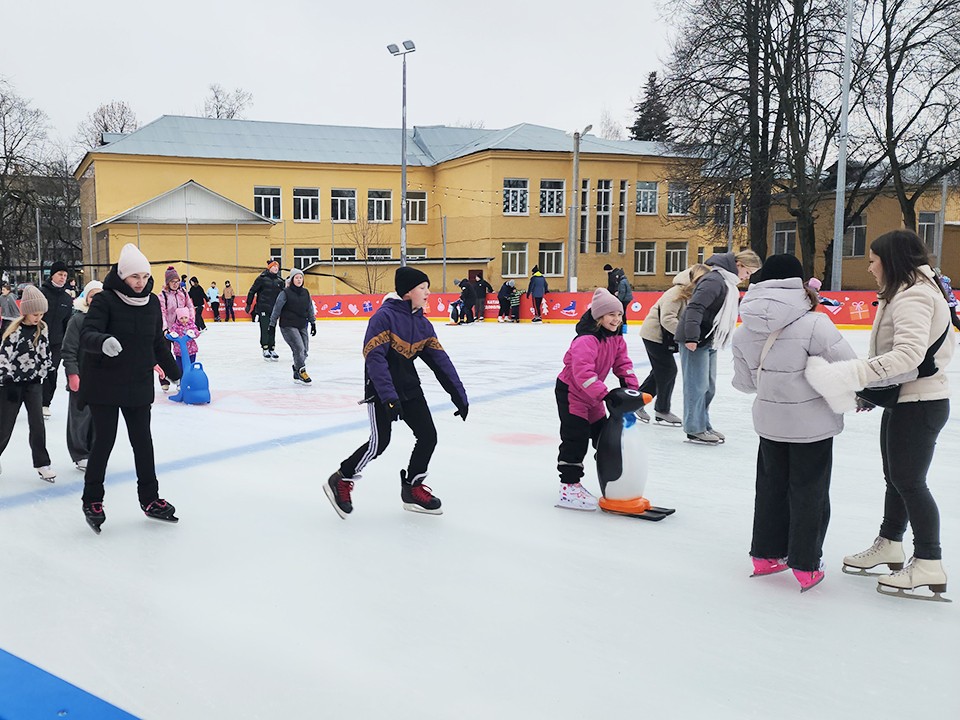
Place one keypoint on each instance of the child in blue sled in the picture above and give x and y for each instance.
(185, 326)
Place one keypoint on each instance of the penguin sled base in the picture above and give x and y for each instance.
(622, 459)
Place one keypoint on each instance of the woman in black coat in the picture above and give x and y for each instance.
(121, 341)
(199, 298)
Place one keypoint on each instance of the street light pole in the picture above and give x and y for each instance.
(840, 202)
(572, 249)
(409, 47)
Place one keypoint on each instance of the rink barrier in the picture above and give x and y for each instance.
(856, 309)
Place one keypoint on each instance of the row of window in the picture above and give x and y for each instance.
(267, 201)
(855, 237)
(514, 260)
(304, 257)
(516, 197)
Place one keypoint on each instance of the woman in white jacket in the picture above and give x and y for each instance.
(912, 318)
(795, 424)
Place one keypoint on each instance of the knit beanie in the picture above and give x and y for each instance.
(407, 278)
(273, 264)
(293, 273)
(58, 266)
(603, 302)
(131, 261)
(814, 284)
(779, 267)
(92, 285)
(170, 275)
(32, 301)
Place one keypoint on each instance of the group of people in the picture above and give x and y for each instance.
(472, 303)
(804, 375)
(200, 298)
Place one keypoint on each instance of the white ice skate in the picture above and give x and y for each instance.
(46, 473)
(917, 574)
(576, 497)
(882, 552)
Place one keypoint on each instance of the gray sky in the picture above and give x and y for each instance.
(555, 63)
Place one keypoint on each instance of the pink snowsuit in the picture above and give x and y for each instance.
(587, 364)
(170, 300)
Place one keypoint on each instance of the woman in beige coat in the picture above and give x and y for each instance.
(906, 347)
(657, 332)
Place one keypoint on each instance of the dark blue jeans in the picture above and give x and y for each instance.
(908, 436)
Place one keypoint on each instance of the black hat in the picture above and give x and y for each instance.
(779, 267)
(608, 267)
(407, 278)
(58, 266)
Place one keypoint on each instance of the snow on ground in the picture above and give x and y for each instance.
(262, 603)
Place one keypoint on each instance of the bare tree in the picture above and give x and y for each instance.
(366, 236)
(221, 103)
(473, 124)
(609, 129)
(115, 116)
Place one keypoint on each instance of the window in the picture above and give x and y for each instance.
(416, 253)
(551, 197)
(514, 259)
(584, 215)
(379, 253)
(676, 259)
(927, 223)
(343, 253)
(276, 254)
(306, 205)
(644, 258)
(701, 253)
(304, 257)
(646, 198)
(515, 197)
(784, 238)
(266, 202)
(678, 199)
(379, 206)
(343, 205)
(721, 212)
(416, 206)
(855, 238)
(604, 193)
(551, 258)
(622, 219)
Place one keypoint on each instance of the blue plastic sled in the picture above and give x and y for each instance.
(194, 385)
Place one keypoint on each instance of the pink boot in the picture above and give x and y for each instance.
(768, 566)
(808, 579)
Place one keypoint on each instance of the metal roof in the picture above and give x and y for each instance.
(214, 138)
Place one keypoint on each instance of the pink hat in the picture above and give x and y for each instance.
(182, 313)
(603, 302)
(814, 284)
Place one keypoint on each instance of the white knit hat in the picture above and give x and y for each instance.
(603, 302)
(132, 261)
(92, 285)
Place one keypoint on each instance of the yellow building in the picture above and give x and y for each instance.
(218, 198)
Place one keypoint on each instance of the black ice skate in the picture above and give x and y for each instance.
(95, 516)
(417, 497)
(160, 510)
(337, 489)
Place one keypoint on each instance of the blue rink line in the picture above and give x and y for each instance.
(29, 693)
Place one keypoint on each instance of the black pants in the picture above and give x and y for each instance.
(198, 317)
(481, 305)
(79, 429)
(663, 374)
(11, 398)
(791, 510)
(50, 382)
(228, 311)
(268, 332)
(537, 306)
(466, 313)
(624, 303)
(417, 416)
(504, 307)
(908, 436)
(215, 306)
(576, 434)
(105, 419)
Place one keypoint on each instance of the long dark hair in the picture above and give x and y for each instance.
(901, 254)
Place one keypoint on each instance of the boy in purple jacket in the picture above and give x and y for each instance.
(397, 334)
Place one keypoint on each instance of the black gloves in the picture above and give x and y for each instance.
(394, 410)
(313, 330)
(462, 410)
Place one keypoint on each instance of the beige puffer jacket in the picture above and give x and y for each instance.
(665, 313)
(903, 330)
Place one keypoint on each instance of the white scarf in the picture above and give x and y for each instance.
(136, 301)
(726, 320)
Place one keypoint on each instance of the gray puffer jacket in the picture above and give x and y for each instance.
(787, 408)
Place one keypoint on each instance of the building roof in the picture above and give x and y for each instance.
(188, 204)
(215, 138)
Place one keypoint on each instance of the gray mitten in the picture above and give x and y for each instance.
(111, 347)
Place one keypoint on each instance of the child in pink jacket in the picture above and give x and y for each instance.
(184, 325)
(598, 349)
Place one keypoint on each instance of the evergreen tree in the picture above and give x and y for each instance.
(653, 121)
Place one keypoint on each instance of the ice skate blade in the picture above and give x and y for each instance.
(772, 572)
(811, 587)
(94, 527)
(901, 592)
(862, 572)
(329, 493)
(667, 423)
(413, 507)
(578, 509)
(173, 519)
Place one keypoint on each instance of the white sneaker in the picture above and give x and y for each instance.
(576, 497)
(46, 412)
(882, 552)
(81, 465)
(46, 473)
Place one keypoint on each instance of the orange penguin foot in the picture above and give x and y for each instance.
(633, 506)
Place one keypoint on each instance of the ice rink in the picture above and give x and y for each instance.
(263, 603)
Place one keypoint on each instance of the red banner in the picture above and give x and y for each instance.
(856, 309)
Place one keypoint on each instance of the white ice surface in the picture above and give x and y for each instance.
(262, 603)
